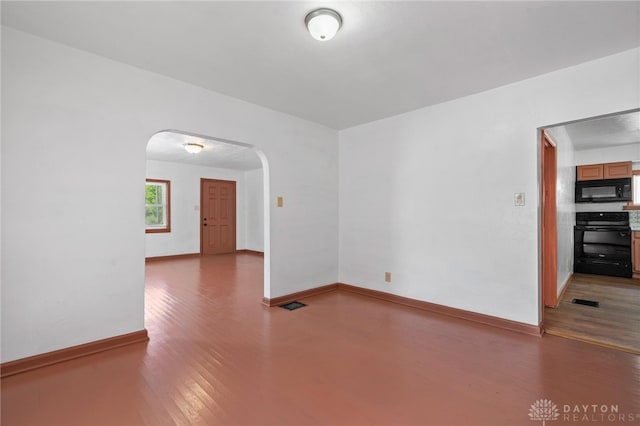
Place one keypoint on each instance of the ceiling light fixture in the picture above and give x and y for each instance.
(323, 24)
(193, 148)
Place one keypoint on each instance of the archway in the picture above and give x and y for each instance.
(218, 159)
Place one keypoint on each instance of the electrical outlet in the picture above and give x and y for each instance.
(387, 277)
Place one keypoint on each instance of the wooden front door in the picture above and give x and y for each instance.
(217, 216)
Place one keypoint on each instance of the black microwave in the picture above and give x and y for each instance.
(603, 191)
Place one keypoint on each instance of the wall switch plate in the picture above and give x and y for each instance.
(280, 202)
(387, 277)
(518, 199)
(196, 207)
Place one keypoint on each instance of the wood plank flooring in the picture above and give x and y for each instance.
(218, 357)
(615, 324)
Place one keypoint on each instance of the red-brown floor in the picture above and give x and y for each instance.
(218, 357)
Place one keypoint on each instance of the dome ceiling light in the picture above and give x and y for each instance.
(323, 24)
(193, 148)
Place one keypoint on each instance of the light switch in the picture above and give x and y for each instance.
(196, 207)
(518, 199)
(280, 202)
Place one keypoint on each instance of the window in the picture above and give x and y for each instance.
(636, 187)
(157, 206)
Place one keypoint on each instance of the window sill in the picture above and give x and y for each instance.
(161, 230)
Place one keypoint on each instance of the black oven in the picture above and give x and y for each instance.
(603, 191)
(602, 244)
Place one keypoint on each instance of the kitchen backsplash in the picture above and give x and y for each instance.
(600, 207)
(634, 220)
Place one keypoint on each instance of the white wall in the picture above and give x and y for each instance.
(74, 130)
(184, 237)
(428, 195)
(254, 212)
(565, 203)
(608, 154)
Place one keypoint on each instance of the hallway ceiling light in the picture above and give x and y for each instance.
(193, 148)
(323, 24)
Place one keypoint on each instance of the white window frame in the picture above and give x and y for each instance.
(165, 204)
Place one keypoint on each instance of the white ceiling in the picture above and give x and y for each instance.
(169, 146)
(388, 58)
(612, 130)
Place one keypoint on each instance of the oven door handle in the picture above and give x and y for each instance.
(622, 233)
(595, 262)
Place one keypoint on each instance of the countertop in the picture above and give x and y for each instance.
(634, 220)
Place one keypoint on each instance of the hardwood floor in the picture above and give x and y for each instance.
(217, 356)
(615, 324)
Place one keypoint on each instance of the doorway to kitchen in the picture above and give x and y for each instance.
(589, 306)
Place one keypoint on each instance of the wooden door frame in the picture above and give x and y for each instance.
(548, 224)
(235, 210)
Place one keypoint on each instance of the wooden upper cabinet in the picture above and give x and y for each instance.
(617, 170)
(604, 171)
(591, 172)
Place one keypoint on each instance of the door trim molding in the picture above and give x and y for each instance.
(49, 358)
(548, 223)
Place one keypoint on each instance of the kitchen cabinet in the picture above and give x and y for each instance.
(617, 170)
(591, 172)
(604, 171)
(635, 254)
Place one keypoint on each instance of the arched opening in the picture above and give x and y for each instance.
(173, 216)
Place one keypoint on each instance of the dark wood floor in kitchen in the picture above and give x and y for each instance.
(615, 323)
(218, 357)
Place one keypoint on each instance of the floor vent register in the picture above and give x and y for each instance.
(585, 302)
(293, 305)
